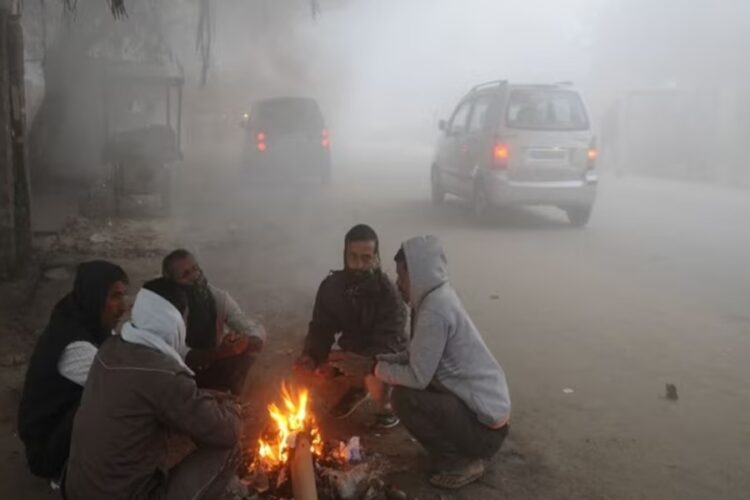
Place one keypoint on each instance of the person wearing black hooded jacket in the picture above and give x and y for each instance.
(59, 365)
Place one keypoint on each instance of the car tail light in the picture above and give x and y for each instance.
(325, 141)
(500, 156)
(591, 155)
(260, 142)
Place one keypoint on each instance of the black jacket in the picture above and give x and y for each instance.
(48, 397)
(369, 314)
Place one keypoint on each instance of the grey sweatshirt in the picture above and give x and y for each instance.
(445, 344)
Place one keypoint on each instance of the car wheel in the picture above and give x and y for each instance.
(480, 203)
(579, 216)
(438, 193)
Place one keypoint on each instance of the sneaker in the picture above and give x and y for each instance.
(386, 421)
(350, 402)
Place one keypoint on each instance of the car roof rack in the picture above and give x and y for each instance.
(493, 83)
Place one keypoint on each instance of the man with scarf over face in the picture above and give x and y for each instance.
(362, 305)
(222, 339)
(61, 360)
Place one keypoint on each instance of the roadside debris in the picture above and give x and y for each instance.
(671, 393)
(348, 484)
(58, 274)
(13, 359)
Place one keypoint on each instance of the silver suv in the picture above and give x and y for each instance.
(508, 144)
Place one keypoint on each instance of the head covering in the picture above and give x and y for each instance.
(427, 265)
(92, 283)
(157, 324)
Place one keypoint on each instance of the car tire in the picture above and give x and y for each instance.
(480, 204)
(579, 216)
(438, 192)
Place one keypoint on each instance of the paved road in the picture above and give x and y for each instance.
(654, 291)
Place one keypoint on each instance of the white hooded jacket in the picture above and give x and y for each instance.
(157, 324)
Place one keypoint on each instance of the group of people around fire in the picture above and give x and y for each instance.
(100, 403)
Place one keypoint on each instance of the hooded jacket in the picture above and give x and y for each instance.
(446, 347)
(156, 323)
(139, 390)
(48, 396)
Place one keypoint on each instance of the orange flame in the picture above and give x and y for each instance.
(289, 419)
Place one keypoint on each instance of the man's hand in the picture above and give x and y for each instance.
(199, 359)
(304, 363)
(233, 344)
(354, 365)
(255, 344)
(226, 399)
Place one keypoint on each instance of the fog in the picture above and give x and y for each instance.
(592, 302)
(386, 71)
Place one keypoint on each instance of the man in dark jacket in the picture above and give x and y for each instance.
(139, 390)
(59, 365)
(362, 305)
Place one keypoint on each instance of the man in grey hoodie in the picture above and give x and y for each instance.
(449, 391)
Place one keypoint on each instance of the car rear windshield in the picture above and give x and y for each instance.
(546, 109)
(288, 115)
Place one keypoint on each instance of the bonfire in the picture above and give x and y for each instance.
(291, 457)
(291, 420)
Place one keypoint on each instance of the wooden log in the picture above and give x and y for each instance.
(302, 469)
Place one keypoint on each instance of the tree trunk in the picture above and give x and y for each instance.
(22, 184)
(7, 188)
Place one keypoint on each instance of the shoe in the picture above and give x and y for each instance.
(386, 420)
(350, 402)
(459, 476)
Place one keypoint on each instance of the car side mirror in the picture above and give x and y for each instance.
(443, 126)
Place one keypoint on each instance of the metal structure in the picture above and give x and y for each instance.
(142, 152)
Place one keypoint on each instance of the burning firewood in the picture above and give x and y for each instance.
(291, 460)
(302, 471)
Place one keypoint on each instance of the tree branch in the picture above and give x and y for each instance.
(116, 6)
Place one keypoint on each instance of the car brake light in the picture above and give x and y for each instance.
(262, 146)
(500, 156)
(260, 137)
(591, 155)
(325, 141)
